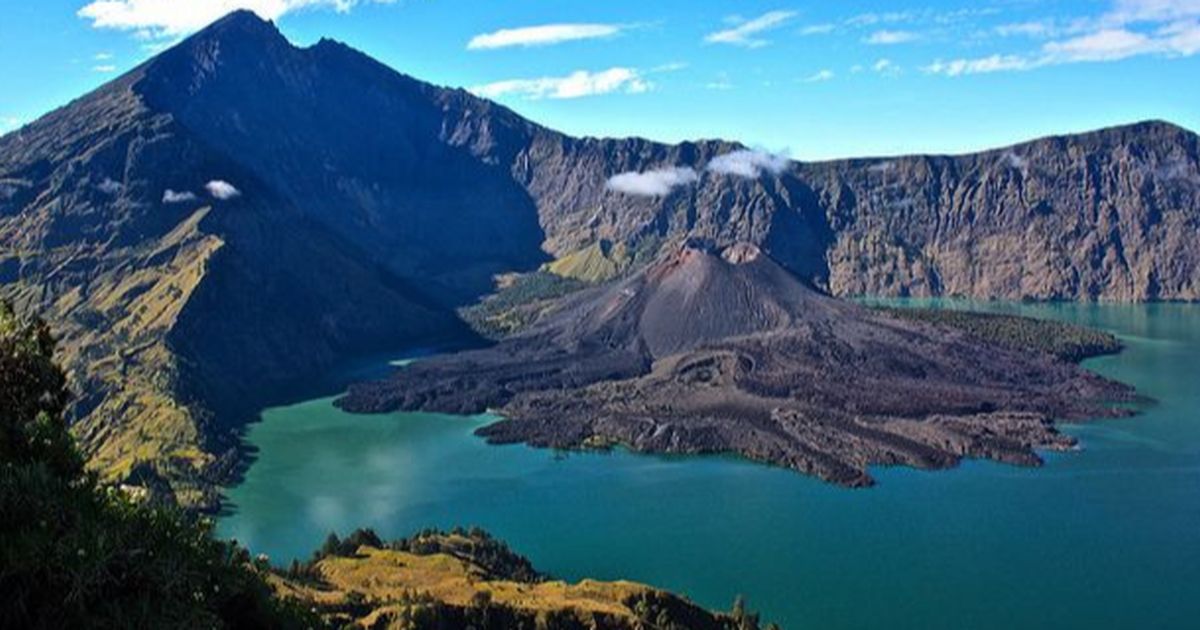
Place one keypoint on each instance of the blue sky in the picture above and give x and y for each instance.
(813, 79)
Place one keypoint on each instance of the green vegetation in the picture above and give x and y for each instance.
(519, 304)
(77, 554)
(467, 579)
(599, 262)
(1065, 341)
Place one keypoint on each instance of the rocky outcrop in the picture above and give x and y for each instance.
(1107, 215)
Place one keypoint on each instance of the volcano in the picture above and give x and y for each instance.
(710, 350)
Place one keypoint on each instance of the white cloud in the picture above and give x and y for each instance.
(1037, 28)
(1176, 39)
(886, 67)
(891, 37)
(1129, 11)
(982, 65)
(817, 29)
(654, 183)
(171, 196)
(1130, 28)
(672, 66)
(577, 84)
(1105, 45)
(102, 56)
(871, 19)
(1182, 38)
(744, 33)
(9, 122)
(104, 68)
(748, 163)
(168, 18)
(543, 35)
(822, 75)
(221, 189)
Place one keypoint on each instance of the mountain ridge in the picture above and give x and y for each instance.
(370, 204)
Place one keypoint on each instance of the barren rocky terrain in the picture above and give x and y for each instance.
(711, 350)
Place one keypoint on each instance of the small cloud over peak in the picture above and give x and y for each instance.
(652, 183)
(542, 35)
(106, 68)
(222, 190)
(102, 56)
(745, 32)
(748, 163)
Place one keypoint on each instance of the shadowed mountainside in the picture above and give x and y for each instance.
(238, 213)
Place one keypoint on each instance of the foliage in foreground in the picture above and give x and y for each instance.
(76, 554)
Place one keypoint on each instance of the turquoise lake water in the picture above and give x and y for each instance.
(1105, 537)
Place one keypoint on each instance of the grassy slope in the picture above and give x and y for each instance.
(598, 262)
(112, 331)
(378, 585)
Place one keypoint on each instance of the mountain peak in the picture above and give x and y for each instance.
(245, 20)
(241, 29)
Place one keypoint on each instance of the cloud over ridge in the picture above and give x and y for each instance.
(748, 163)
(652, 183)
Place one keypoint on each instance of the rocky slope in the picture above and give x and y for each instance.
(709, 351)
(1107, 215)
(239, 213)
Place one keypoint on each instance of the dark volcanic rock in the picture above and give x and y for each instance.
(705, 351)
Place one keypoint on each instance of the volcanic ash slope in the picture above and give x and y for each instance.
(709, 350)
